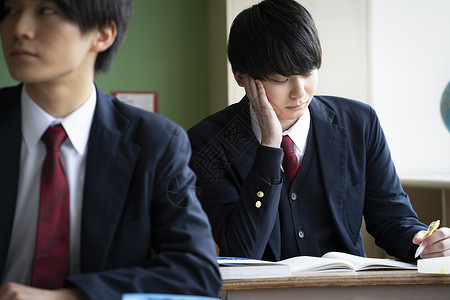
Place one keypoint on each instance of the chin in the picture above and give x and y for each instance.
(22, 76)
(28, 77)
(298, 115)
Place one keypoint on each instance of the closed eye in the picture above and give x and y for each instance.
(281, 81)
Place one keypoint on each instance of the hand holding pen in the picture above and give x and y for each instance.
(436, 244)
(431, 229)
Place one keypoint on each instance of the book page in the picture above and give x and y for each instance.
(301, 264)
(366, 263)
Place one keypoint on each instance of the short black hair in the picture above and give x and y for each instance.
(274, 37)
(96, 14)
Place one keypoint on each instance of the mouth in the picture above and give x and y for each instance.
(298, 106)
(22, 53)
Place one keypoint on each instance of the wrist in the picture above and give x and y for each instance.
(273, 142)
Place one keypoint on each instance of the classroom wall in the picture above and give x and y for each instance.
(5, 79)
(217, 55)
(410, 45)
(164, 51)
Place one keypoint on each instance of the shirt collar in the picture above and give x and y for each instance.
(35, 121)
(298, 132)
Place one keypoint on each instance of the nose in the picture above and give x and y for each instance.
(24, 27)
(297, 90)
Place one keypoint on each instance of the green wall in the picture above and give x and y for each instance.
(5, 79)
(164, 51)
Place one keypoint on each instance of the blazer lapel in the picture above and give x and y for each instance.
(11, 135)
(110, 162)
(332, 153)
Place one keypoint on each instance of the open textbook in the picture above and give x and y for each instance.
(339, 261)
(239, 268)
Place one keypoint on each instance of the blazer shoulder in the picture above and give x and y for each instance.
(150, 131)
(342, 104)
(344, 110)
(140, 118)
(10, 93)
(9, 89)
(219, 121)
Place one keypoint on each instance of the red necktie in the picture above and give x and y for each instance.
(52, 253)
(290, 161)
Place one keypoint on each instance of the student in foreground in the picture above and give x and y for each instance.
(110, 207)
(336, 168)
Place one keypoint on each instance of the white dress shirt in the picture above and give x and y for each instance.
(298, 132)
(35, 122)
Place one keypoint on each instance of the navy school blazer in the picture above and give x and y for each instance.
(359, 178)
(138, 199)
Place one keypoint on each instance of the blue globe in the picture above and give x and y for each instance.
(445, 107)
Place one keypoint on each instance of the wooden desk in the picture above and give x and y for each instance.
(396, 285)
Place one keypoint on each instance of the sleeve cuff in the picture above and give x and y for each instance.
(268, 161)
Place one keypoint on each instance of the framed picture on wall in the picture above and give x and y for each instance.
(144, 100)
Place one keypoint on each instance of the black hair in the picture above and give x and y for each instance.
(96, 14)
(274, 37)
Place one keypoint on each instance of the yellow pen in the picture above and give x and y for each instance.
(431, 229)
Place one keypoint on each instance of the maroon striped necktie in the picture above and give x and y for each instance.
(52, 253)
(290, 161)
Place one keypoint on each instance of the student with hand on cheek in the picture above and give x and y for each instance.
(285, 172)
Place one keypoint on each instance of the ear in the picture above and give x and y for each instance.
(104, 38)
(239, 77)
